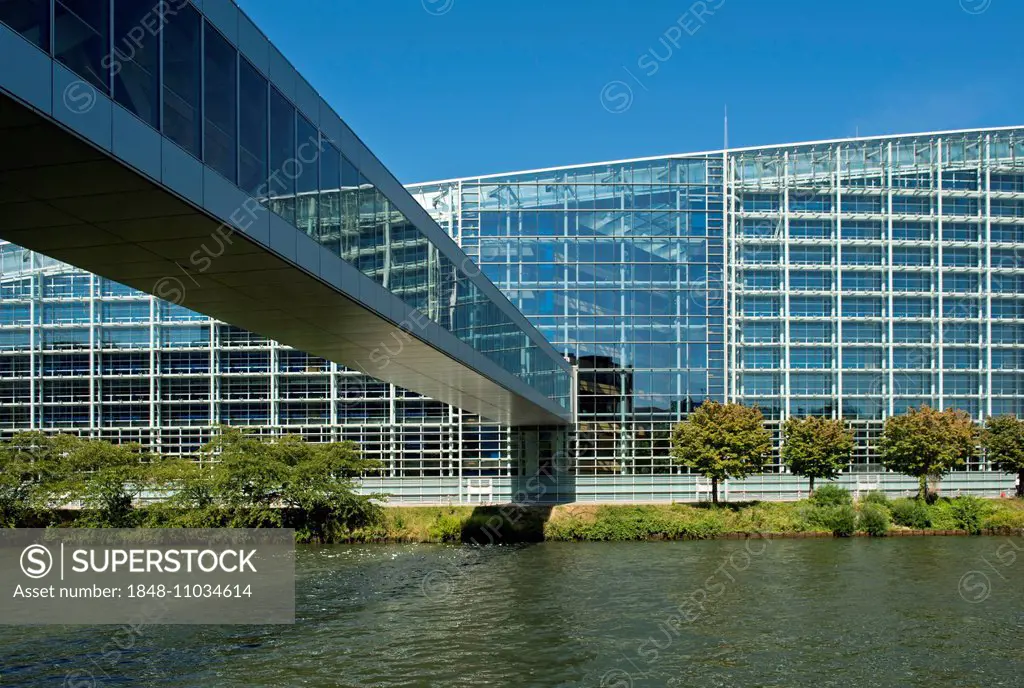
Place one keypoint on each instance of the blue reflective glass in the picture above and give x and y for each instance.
(30, 18)
(330, 210)
(136, 59)
(282, 156)
(307, 186)
(253, 130)
(182, 92)
(81, 40)
(220, 147)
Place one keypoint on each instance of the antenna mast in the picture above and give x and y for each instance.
(726, 130)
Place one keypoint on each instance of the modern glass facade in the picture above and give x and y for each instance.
(621, 267)
(859, 278)
(867, 277)
(189, 75)
(850, 279)
(82, 354)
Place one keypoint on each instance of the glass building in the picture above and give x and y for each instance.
(851, 278)
(82, 354)
(621, 266)
(192, 105)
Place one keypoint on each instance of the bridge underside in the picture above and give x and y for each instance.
(64, 198)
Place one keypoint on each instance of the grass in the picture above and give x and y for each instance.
(578, 522)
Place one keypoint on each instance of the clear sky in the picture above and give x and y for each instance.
(451, 88)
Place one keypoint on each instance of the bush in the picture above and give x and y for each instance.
(622, 523)
(831, 495)
(840, 519)
(709, 524)
(566, 529)
(874, 519)
(1005, 518)
(768, 517)
(968, 513)
(911, 513)
(446, 528)
(876, 497)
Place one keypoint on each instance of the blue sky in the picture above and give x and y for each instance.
(450, 88)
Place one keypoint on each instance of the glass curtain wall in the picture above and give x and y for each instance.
(621, 268)
(875, 276)
(270, 150)
(85, 355)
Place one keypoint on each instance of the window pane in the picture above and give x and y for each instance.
(307, 184)
(219, 143)
(136, 59)
(282, 156)
(349, 244)
(252, 133)
(30, 18)
(82, 39)
(182, 79)
(330, 199)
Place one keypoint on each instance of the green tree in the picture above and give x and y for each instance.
(188, 495)
(35, 462)
(322, 494)
(40, 474)
(106, 478)
(720, 441)
(248, 477)
(1003, 439)
(927, 443)
(270, 482)
(817, 447)
(16, 485)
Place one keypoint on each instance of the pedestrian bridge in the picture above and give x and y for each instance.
(191, 161)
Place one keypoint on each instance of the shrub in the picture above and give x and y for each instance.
(941, 514)
(705, 525)
(628, 523)
(876, 497)
(767, 517)
(840, 519)
(1005, 518)
(446, 528)
(568, 528)
(831, 495)
(968, 512)
(622, 523)
(874, 519)
(912, 513)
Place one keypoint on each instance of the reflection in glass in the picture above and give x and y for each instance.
(253, 127)
(81, 39)
(30, 18)
(183, 79)
(330, 199)
(307, 170)
(220, 147)
(136, 60)
(282, 156)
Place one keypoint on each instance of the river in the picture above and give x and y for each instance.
(929, 611)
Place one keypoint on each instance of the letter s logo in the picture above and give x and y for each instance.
(36, 561)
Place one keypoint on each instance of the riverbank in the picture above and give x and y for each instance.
(513, 523)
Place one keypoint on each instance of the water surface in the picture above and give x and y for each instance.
(899, 612)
